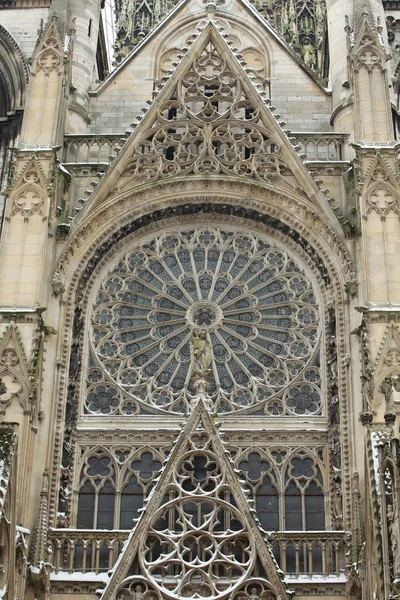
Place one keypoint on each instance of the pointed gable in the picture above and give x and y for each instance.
(209, 120)
(14, 371)
(381, 187)
(197, 536)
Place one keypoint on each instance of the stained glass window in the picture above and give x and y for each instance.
(250, 301)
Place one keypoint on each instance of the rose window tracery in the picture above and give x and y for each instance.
(249, 302)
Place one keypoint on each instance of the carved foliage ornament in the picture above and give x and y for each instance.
(253, 304)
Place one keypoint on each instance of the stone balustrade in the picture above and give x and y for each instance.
(298, 553)
(323, 146)
(97, 148)
(310, 553)
(85, 550)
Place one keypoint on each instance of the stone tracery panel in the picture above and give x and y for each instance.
(210, 126)
(113, 484)
(253, 303)
(288, 487)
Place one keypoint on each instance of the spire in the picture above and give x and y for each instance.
(40, 546)
(59, 10)
(363, 19)
(40, 567)
(362, 10)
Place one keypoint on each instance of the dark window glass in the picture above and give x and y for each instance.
(86, 507)
(295, 559)
(105, 510)
(104, 557)
(302, 467)
(293, 508)
(315, 510)
(131, 501)
(267, 504)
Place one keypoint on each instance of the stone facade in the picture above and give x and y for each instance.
(200, 300)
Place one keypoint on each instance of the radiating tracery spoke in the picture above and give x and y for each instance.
(252, 301)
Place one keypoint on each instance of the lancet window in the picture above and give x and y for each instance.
(289, 491)
(111, 492)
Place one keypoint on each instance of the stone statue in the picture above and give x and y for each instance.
(254, 595)
(366, 391)
(3, 387)
(309, 54)
(202, 355)
(337, 503)
(138, 594)
(387, 391)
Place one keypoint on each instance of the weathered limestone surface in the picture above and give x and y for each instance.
(203, 247)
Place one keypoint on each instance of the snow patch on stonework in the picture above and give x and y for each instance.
(78, 576)
(8, 443)
(378, 438)
(318, 579)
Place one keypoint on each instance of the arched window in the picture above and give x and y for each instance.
(295, 504)
(86, 506)
(267, 504)
(111, 493)
(96, 499)
(304, 495)
(253, 303)
(131, 501)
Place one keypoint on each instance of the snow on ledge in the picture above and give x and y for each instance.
(78, 576)
(341, 578)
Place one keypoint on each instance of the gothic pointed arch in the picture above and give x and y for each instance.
(381, 188)
(14, 372)
(48, 54)
(29, 195)
(206, 248)
(13, 75)
(210, 98)
(112, 392)
(196, 527)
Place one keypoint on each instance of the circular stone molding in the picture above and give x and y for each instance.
(249, 297)
(204, 315)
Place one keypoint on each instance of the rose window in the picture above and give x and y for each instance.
(246, 302)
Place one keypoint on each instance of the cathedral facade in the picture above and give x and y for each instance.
(199, 299)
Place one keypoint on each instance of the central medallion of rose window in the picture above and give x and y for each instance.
(250, 299)
(204, 315)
